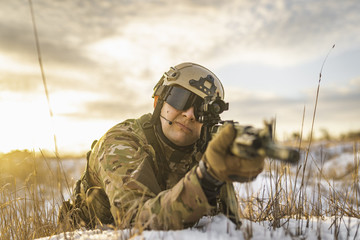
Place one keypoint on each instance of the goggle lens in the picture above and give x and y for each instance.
(182, 99)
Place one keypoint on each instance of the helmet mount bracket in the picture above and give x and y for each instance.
(206, 85)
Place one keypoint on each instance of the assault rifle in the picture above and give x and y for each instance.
(249, 143)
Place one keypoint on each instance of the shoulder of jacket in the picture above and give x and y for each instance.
(129, 129)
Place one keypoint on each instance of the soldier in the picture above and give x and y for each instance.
(148, 172)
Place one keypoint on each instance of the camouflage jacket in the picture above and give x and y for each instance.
(125, 184)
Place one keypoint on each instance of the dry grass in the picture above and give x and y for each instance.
(30, 197)
(305, 194)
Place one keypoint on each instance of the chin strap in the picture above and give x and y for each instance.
(156, 114)
(162, 168)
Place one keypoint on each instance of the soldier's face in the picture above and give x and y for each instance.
(184, 130)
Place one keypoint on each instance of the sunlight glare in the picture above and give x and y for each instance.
(27, 121)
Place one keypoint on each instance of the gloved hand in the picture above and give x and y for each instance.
(224, 166)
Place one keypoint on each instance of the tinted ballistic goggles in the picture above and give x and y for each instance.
(182, 99)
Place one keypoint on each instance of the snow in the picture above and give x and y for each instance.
(219, 227)
(331, 225)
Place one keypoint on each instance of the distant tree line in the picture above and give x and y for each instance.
(327, 136)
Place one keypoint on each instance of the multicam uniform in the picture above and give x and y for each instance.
(126, 183)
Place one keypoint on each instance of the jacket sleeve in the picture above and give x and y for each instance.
(122, 166)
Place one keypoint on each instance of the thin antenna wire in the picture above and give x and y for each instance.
(42, 72)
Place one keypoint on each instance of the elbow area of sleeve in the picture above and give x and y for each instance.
(176, 208)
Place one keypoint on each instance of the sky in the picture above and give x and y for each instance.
(102, 59)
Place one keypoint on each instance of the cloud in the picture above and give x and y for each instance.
(340, 103)
(277, 26)
(149, 33)
(289, 32)
(112, 109)
(111, 53)
(117, 107)
(19, 83)
(355, 82)
(337, 109)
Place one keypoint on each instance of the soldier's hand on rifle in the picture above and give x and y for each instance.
(221, 164)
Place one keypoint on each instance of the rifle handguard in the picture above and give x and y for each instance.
(252, 142)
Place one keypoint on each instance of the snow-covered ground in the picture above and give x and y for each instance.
(219, 227)
(338, 161)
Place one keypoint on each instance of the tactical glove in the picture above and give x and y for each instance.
(224, 166)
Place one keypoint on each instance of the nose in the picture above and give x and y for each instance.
(189, 113)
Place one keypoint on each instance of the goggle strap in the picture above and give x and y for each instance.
(160, 90)
(157, 110)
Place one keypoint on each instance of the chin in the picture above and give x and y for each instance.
(183, 141)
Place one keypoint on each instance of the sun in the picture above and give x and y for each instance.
(25, 123)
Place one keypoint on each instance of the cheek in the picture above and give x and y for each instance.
(198, 129)
(169, 112)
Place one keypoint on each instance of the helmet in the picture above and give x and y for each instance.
(189, 84)
(193, 77)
